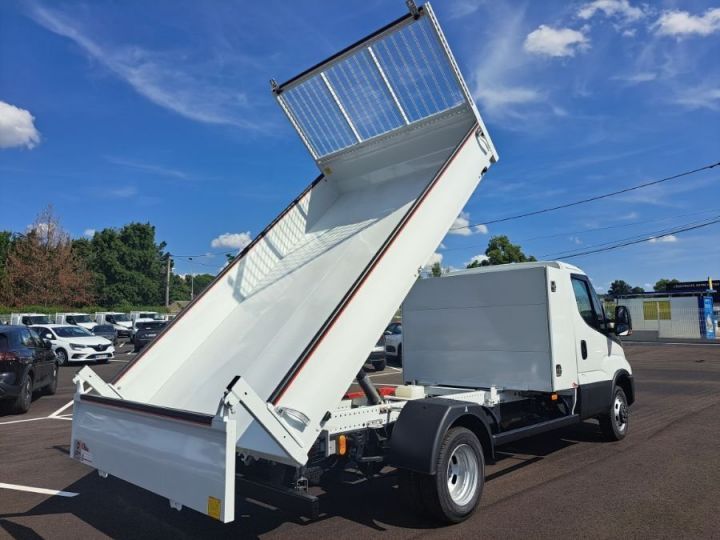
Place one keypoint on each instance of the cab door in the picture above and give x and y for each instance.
(593, 348)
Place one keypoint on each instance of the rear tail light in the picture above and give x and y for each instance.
(8, 357)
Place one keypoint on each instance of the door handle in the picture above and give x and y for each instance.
(583, 349)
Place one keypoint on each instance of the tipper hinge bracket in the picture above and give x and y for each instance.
(89, 377)
(239, 392)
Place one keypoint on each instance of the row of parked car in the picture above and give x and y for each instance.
(32, 348)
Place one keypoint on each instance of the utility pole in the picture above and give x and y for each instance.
(167, 283)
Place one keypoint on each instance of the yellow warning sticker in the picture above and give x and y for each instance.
(214, 506)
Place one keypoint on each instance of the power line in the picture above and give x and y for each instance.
(655, 233)
(591, 229)
(589, 199)
(639, 241)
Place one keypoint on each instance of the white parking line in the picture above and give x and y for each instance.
(38, 490)
(61, 409)
(24, 420)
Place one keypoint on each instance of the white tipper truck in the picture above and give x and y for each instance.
(247, 386)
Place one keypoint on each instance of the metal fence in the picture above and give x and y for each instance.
(668, 320)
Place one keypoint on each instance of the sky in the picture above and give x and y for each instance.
(161, 112)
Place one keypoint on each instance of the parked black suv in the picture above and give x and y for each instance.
(27, 365)
(146, 332)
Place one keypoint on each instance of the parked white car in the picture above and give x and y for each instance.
(393, 342)
(76, 344)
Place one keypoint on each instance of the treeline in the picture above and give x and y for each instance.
(622, 288)
(115, 268)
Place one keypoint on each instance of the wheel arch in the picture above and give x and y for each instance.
(419, 431)
(624, 380)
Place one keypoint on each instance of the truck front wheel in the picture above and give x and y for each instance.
(615, 423)
(454, 492)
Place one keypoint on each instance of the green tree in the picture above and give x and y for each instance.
(128, 265)
(663, 284)
(501, 251)
(436, 270)
(619, 287)
(200, 282)
(637, 290)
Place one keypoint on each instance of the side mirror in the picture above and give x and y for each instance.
(623, 321)
(48, 337)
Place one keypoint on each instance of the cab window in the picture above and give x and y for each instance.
(584, 302)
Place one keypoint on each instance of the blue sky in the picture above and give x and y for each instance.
(161, 112)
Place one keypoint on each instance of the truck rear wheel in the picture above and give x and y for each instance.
(452, 494)
(615, 423)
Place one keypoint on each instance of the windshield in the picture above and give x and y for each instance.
(39, 319)
(82, 318)
(104, 329)
(122, 317)
(154, 316)
(72, 331)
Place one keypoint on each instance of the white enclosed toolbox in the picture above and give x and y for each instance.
(492, 326)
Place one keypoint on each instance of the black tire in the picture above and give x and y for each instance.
(51, 388)
(615, 424)
(399, 355)
(24, 398)
(460, 464)
(136, 349)
(62, 357)
(380, 365)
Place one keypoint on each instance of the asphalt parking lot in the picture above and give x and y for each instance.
(663, 480)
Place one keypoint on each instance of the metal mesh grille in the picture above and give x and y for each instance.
(402, 78)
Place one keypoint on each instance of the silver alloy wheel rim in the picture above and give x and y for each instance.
(28, 393)
(62, 355)
(620, 413)
(462, 474)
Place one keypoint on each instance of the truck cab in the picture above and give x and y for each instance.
(28, 319)
(77, 319)
(120, 321)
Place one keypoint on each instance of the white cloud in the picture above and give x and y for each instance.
(232, 240)
(479, 258)
(462, 227)
(636, 78)
(501, 97)
(611, 8)
(463, 8)
(122, 193)
(699, 98)
(149, 167)
(575, 240)
(669, 238)
(169, 80)
(499, 79)
(555, 42)
(17, 127)
(681, 23)
(89, 233)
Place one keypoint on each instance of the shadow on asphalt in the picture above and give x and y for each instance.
(120, 510)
